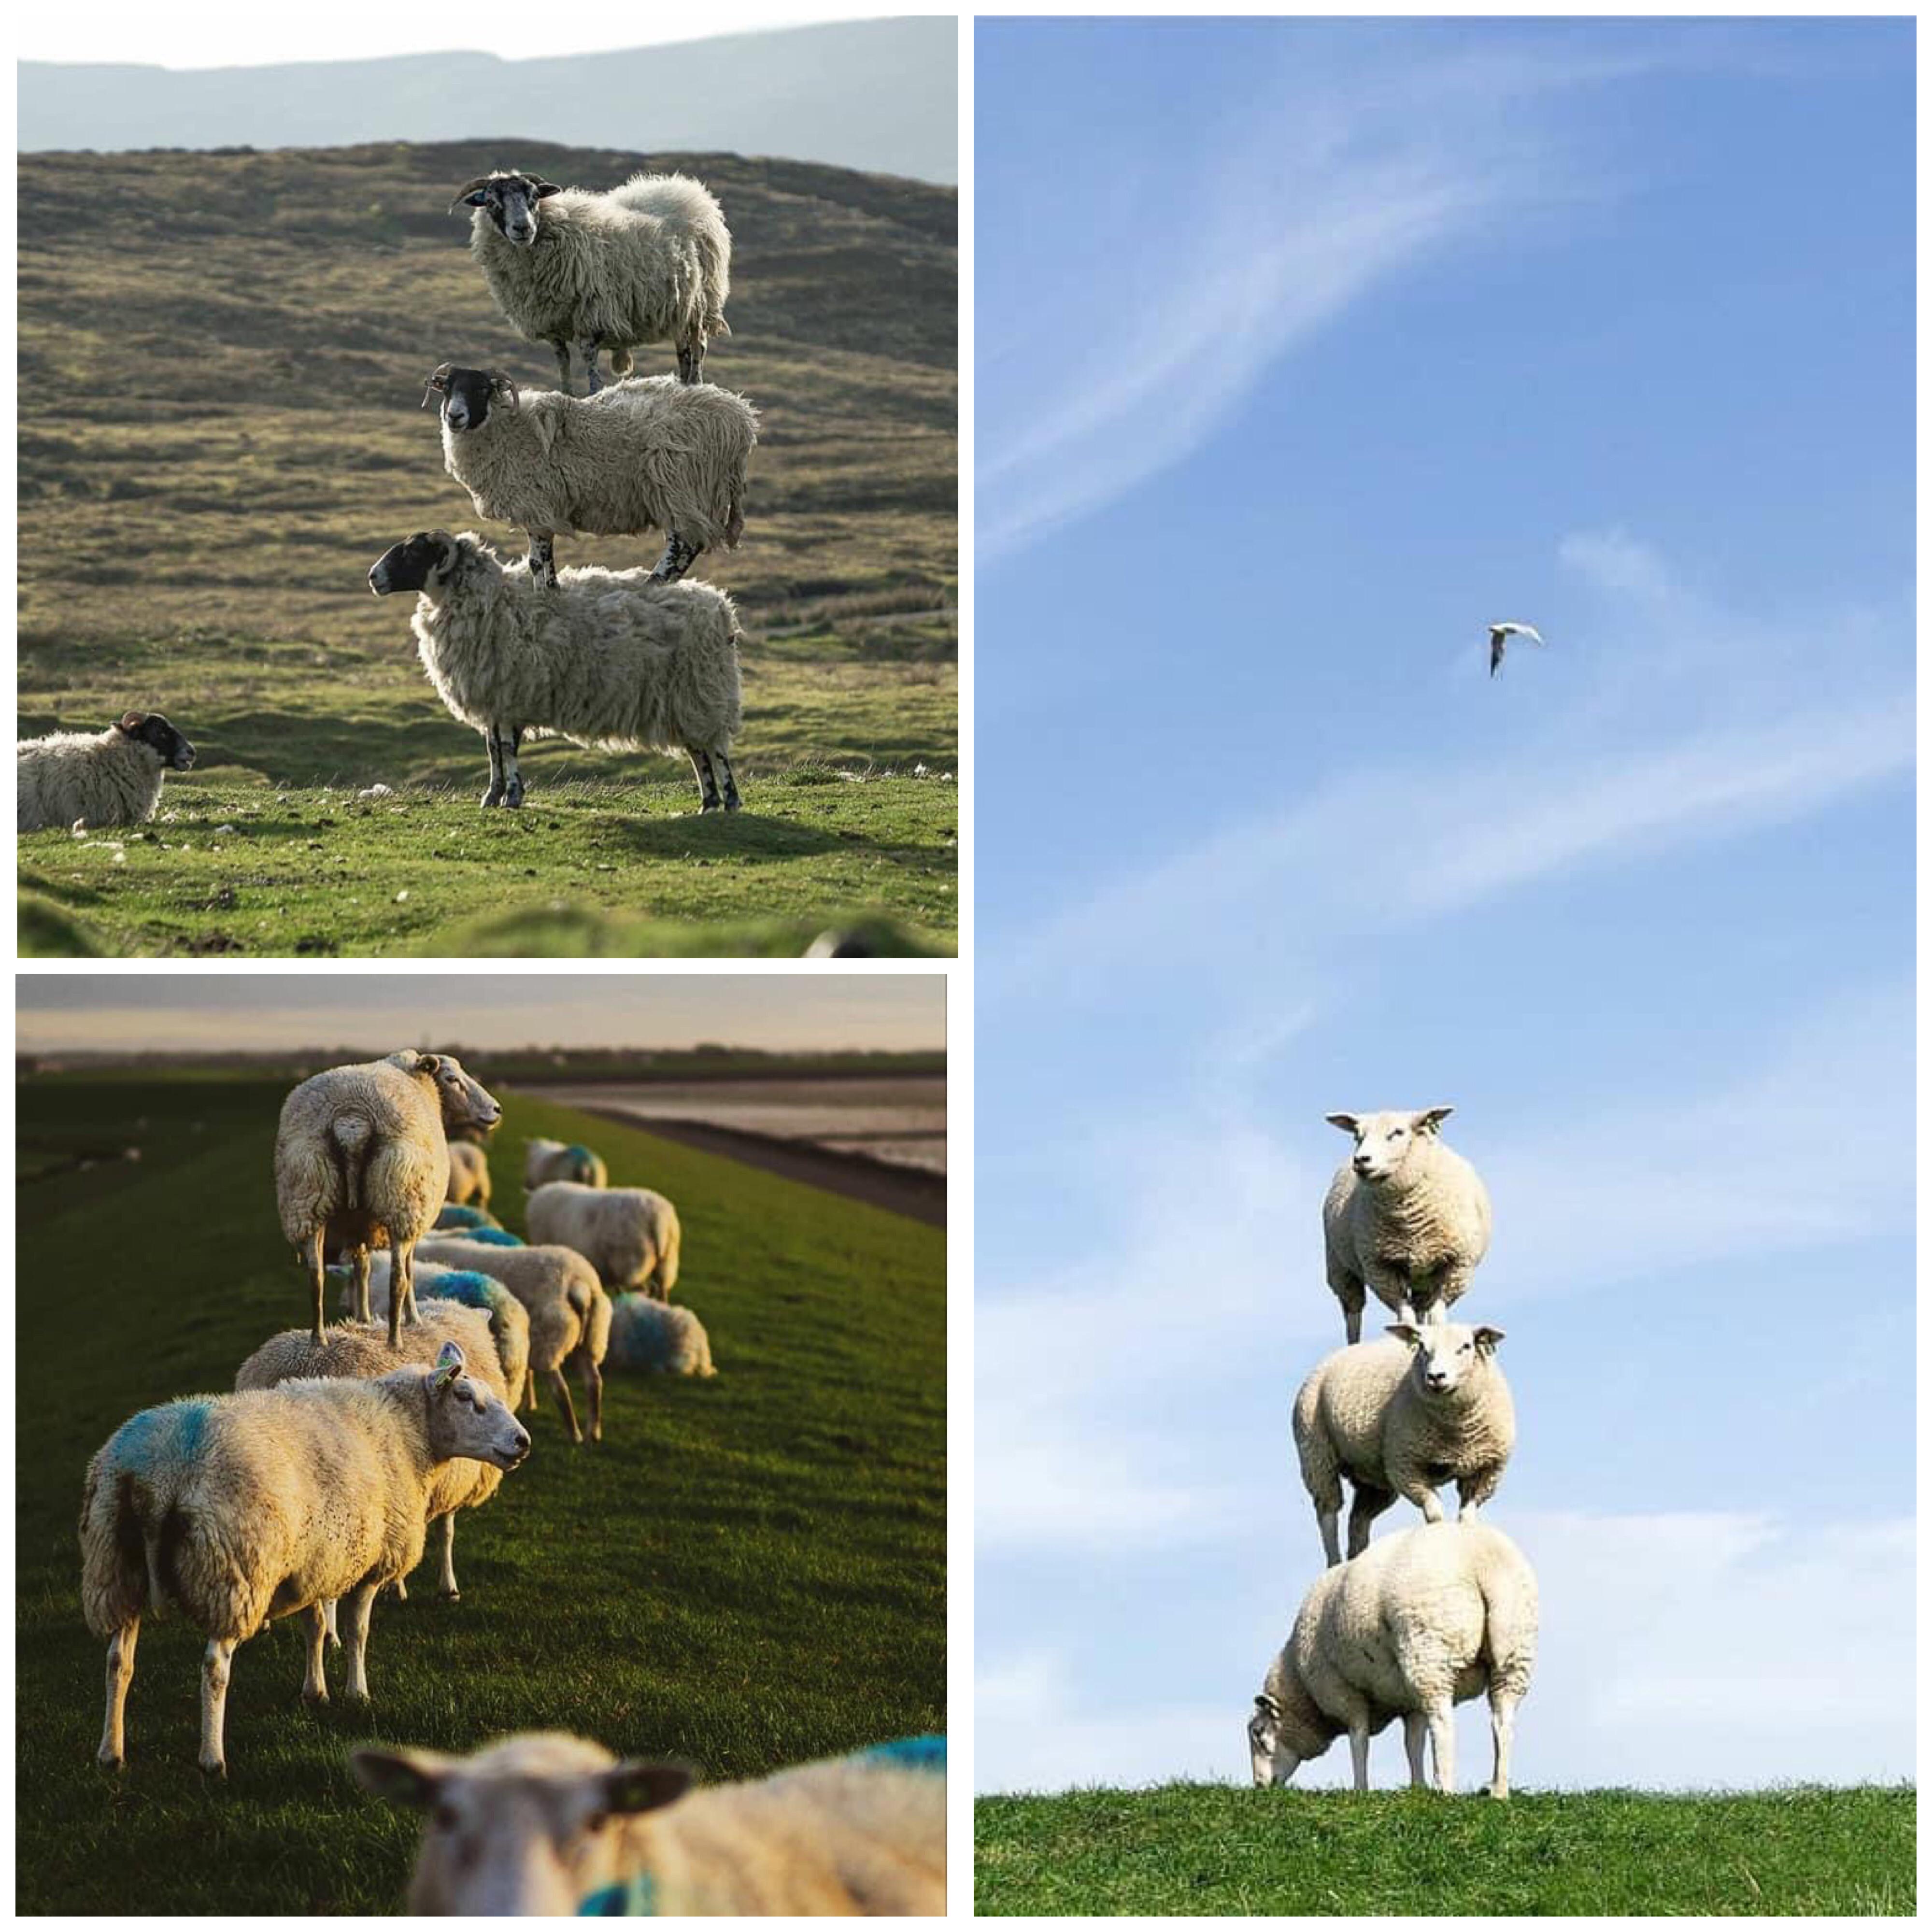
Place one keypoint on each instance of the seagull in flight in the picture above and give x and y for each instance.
(1499, 637)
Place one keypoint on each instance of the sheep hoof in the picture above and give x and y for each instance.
(315, 1699)
(215, 1767)
(494, 795)
(449, 1596)
(110, 1760)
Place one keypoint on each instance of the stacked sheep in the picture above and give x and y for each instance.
(1412, 1625)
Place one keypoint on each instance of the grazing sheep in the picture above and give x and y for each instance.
(494, 1237)
(451, 1220)
(609, 658)
(547, 1825)
(649, 1334)
(240, 1508)
(1405, 1216)
(1397, 1418)
(469, 1176)
(630, 1235)
(1418, 1623)
(509, 1320)
(652, 454)
(648, 262)
(361, 1160)
(551, 1160)
(570, 1314)
(355, 1350)
(112, 777)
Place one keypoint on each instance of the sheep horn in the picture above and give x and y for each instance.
(469, 188)
(504, 386)
(437, 380)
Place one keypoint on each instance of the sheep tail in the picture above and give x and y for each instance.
(350, 1136)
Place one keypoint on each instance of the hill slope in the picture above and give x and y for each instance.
(747, 1572)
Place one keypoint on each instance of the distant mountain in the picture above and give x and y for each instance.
(881, 96)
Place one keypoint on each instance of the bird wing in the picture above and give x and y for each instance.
(1496, 648)
(1517, 631)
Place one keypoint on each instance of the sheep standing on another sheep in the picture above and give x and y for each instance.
(650, 261)
(469, 1176)
(547, 1825)
(1398, 1417)
(360, 1160)
(509, 1320)
(649, 1334)
(1405, 1216)
(630, 1235)
(1418, 1622)
(551, 1160)
(241, 1508)
(609, 658)
(97, 779)
(652, 454)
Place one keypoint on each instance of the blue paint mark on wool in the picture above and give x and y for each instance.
(926, 1753)
(173, 1431)
(454, 1217)
(635, 1898)
(641, 1336)
(473, 1290)
(494, 1237)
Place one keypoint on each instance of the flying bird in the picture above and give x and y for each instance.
(1499, 637)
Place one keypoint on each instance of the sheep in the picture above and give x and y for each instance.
(551, 1160)
(650, 454)
(570, 1315)
(608, 658)
(361, 1160)
(73, 779)
(241, 1508)
(649, 1334)
(1418, 1622)
(547, 1825)
(1405, 1216)
(509, 1320)
(630, 1235)
(451, 1220)
(648, 262)
(469, 1176)
(1398, 1417)
(355, 1350)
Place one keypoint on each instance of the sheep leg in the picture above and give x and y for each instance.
(445, 1584)
(1369, 1504)
(1358, 1752)
(562, 1388)
(360, 1261)
(563, 349)
(494, 795)
(1502, 1727)
(311, 1256)
(588, 349)
(120, 1674)
(329, 1622)
(215, 1664)
(513, 779)
(708, 799)
(1442, 1743)
(1326, 1520)
(1414, 1740)
(361, 1602)
(315, 1685)
(679, 556)
(733, 802)
(691, 360)
(543, 559)
(593, 1394)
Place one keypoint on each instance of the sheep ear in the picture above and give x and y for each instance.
(1430, 1119)
(429, 1062)
(411, 1777)
(546, 189)
(131, 721)
(1403, 1332)
(1487, 1339)
(448, 1367)
(633, 1787)
(1347, 1123)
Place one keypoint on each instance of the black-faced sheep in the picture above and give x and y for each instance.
(106, 778)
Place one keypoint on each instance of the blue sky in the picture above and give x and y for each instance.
(1304, 350)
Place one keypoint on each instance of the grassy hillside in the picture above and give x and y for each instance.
(747, 1572)
(1218, 1849)
(221, 357)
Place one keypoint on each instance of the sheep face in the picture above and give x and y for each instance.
(519, 1829)
(510, 200)
(467, 394)
(463, 1098)
(1272, 1757)
(1383, 1141)
(426, 559)
(467, 1419)
(150, 729)
(1446, 1353)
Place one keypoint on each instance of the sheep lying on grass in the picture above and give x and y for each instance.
(547, 1825)
(650, 261)
(112, 777)
(630, 1235)
(469, 1176)
(1405, 1216)
(361, 1160)
(1418, 1623)
(1397, 1418)
(608, 658)
(646, 1333)
(649, 455)
(551, 1160)
(240, 1508)
(451, 1220)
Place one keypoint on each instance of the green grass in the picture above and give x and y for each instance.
(1192, 1849)
(223, 356)
(749, 1572)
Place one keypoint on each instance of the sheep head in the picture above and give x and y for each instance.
(510, 199)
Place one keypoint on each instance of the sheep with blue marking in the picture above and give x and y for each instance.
(451, 1220)
(547, 1825)
(649, 1334)
(237, 1509)
(630, 1235)
(546, 1160)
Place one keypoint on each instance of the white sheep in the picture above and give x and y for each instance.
(646, 1333)
(469, 1176)
(361, 1160)
(547, 1825)
(433, 1281)
(241, 1508)
(354, 1349)
(651, 454)
(608, 658)
(552, 1160)
(650, 261)
(75, 779)
(1398, 1417)
(1406, 1217)
(1419, 1622)
(630, 1235)
(451, 1220)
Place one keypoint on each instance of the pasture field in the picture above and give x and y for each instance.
(1206, 1849)
(747, 1572)
(221, 358)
